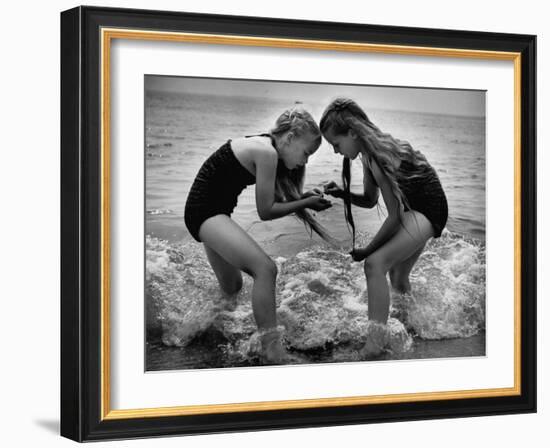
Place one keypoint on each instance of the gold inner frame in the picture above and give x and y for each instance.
(107, 35)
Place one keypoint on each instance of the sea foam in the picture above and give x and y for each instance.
(321, 300)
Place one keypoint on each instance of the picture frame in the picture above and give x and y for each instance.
(87, 34)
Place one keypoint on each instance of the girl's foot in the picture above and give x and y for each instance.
(273, 351)
(377, 340)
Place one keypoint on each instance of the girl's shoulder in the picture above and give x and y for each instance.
(366, 161)
(254, 148)
(374, 167)
(370, 163)
(261, 145)
(259, 142)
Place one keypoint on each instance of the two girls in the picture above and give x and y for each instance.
(410, 187)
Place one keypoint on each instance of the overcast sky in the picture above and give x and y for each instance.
(439, 101)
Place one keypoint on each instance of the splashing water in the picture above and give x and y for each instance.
(448, 296)
(172, 282)
(321, 303)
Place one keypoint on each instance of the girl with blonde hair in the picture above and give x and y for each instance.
(414, 198)
(275, 162)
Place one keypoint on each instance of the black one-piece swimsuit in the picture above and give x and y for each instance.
(218, 184)
(424, 194)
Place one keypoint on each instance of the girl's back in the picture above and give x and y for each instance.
(246, 150)
(218, 184)
(423, 191)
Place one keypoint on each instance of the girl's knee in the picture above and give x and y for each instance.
(271, 267)
(374, 265)
(266, 267)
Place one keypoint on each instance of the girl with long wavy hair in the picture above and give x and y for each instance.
(275, 162)
(414, 198)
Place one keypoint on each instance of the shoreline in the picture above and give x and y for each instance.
(159, 357)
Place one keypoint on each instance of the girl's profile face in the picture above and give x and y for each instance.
(345, 144)
(298, 149)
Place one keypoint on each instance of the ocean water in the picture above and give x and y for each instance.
(321, 293)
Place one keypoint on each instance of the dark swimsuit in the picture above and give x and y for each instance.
(218, 184)
(424, 194)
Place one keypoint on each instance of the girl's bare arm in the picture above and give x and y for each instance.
(368, 199)
(268, 208)
(370, 187)
(392, 221)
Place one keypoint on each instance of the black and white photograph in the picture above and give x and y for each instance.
(297, 223)
(273, 224)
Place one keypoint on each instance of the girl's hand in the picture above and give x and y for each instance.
(359, 254)
(334, 190)
(318, 203)
(314, 192)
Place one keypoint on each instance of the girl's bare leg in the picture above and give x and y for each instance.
(229, 277)
(409, 239)
(399, 273)
(223, 236)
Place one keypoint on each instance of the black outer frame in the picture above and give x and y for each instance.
(81, 223)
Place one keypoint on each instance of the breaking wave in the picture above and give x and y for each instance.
(321, 303)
